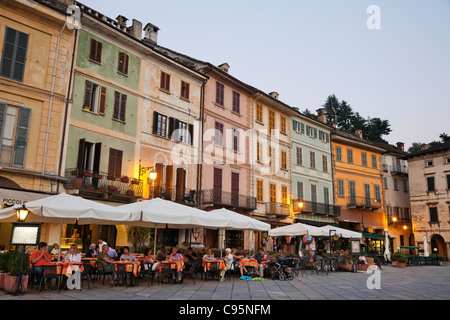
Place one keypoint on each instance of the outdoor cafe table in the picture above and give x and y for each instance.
(249, 263)
(131, 266)
(66, 268)
(206, 264)
(178, 265)
(93, 261)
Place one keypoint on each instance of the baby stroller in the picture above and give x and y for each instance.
(281, 270)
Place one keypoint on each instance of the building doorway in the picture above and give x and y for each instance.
(438, 245)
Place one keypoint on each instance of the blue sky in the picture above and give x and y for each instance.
(307, 50)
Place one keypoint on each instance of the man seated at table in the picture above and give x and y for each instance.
(105, 263)
(91, 252)
(190, 260)
(39, 260)
(208, 255)
(260, 256)
(113, 253)
(176, 255)
(161, 255)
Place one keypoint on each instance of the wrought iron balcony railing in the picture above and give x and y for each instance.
(174, 194)
(228, 199)
(90, 180)
(363, 202)
(316, 208)
(278, 209)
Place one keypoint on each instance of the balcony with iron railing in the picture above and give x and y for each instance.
(180, 195)
(228, 199)
(102, 184)
(278, 209)
(316, 208)
(399, 216)
(363, 203)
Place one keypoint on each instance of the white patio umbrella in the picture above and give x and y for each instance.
(298, 229)
(239, 221)
(159, 213)
(341, 232)
(387, 252)
(68, 209)
(425, 247)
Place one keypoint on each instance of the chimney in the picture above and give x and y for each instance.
(424, 147)
(136, 29)
(359, 133)
(274, 95)
(122, 21)
(401, 146)
(322, 115)
(151, 33)
(224, 67)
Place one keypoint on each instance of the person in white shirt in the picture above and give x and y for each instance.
(228, 262)
(73, 255)
(101, 243)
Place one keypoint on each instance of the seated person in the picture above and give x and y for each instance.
(161, 255)
(147, 257)
(55, 249)
(105, 263)
(91, 252)
(112, 253)
(260, 256)
(236, 260)
(39, 260)
(176, 255)
(190, 260)
(73, 255)
(127, 256)
(209, 255)
(228, 262)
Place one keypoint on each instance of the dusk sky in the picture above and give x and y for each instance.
(307, 50)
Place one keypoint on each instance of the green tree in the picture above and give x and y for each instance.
(331, 105)
(376, 128)
(139, 237)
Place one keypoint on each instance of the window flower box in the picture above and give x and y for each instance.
(77, 183)
(130, 193)
(125, 179)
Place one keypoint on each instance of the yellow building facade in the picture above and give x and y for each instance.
(358, 187)
(33, 91)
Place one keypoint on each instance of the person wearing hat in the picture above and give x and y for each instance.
(228, 261)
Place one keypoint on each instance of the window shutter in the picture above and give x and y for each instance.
(191, 134)
(315, 133)
(97, 154)
(171, 127)
(123, 107)
(89, 86)
(303, 127)
(92, 54)
(20, 145)
(14, 54)
(2, 121)
(116, 105)
(102, 103)
(80, 160)
(98, 56)
(155, 122)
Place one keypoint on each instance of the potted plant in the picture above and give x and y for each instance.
(362, 264)
(14, 269)
(125, 179)
(4, 267)
(130, 192)
(400, 258)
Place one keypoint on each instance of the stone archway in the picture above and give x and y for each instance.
(437, 242)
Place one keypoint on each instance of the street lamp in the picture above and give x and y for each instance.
(301, 205)
(153, 175)
(195, 233)
(22, 213)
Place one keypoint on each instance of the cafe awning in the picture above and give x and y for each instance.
(373, 235)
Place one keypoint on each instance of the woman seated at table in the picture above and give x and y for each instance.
(228, 259)
(55, 249)
(176, 255)
(209, 255)
(73, 255)
(237, 259)
(127, 256)
(147, 257)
